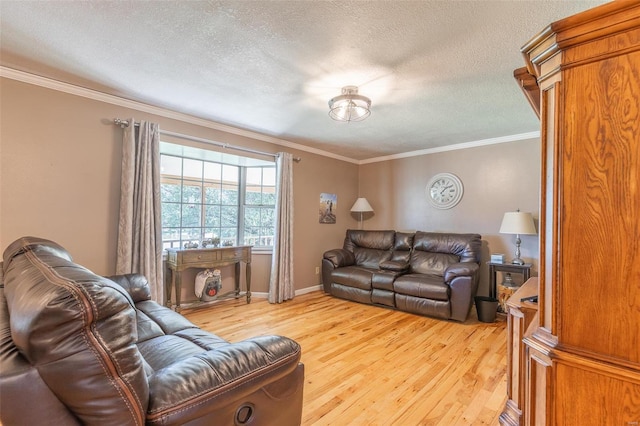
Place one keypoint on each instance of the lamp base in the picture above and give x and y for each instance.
(516, 260)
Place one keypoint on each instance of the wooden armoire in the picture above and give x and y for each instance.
(582, 352)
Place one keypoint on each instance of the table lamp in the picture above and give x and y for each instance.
(519, 223)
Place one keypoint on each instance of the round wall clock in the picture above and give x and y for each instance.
(444, 190)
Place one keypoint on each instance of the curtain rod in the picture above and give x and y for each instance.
(125, 123)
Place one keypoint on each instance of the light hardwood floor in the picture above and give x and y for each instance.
(366, 365)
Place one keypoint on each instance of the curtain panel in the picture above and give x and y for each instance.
(140, 225)
(281, 286)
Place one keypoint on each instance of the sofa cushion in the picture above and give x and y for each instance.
(423, 262)
(384, 279)
(379, 240)
(90, 320)
(403, 241)
(466, 246)
(422, 285)
(395, 266)
(421, 306)
(383, 297)
(369, 247)
(370, 258)
(351, 293)
(175, 336)
(353, 276)
(21, 385)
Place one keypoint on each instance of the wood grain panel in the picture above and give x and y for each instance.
(538, 407)
(622, 407)
(549, 201)
(600, 201)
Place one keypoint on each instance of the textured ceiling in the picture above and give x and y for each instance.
(438, 72)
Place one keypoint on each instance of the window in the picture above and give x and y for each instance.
(204, 199)
(259, 206)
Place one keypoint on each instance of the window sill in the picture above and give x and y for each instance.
(262, 250)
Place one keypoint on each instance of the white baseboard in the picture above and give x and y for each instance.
(261, 295)
(309, 289)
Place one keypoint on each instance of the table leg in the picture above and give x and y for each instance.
(248, 274)
(168, 285)
(492, 281)
(237, 279)
(178, 278)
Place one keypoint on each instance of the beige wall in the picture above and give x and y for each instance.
(496, 179)
(60, 176)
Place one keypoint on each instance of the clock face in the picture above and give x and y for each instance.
(444, 190)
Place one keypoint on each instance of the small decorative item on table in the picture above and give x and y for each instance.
(507, 269)
(505, 290)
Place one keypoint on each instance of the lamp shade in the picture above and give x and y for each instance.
(361, 205)
(518, 223)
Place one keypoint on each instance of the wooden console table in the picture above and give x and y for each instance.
(180, 259)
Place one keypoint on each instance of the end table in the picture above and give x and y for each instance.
(525, 270)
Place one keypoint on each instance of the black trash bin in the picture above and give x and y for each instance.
(486, 308)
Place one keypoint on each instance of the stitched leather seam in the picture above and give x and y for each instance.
(93, 343)
(156, 414)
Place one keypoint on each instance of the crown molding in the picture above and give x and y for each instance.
(455, 147)
(60, 86)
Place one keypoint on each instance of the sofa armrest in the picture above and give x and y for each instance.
(136, 285)
(340, 257)
(395, 266)
(209, 381)
(463, 269)
(462, 280)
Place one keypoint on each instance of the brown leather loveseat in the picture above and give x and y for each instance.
(427, 273)
(77, 348)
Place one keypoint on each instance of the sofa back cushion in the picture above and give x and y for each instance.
(402, 247)
(423, 262)
(369, 247)
(434, 252)
(79, 330)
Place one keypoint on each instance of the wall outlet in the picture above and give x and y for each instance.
(317, 270)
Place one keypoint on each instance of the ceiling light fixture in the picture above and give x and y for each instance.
(349, 106)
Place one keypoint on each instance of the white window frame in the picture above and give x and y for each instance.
(243, 163)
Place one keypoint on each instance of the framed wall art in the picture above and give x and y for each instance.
(328, 207)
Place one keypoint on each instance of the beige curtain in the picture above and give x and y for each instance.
(281, 283)
(140, 226)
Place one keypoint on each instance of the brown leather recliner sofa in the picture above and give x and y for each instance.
(77, 348)
(426, 273)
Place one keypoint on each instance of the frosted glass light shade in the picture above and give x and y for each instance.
(349, 106)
